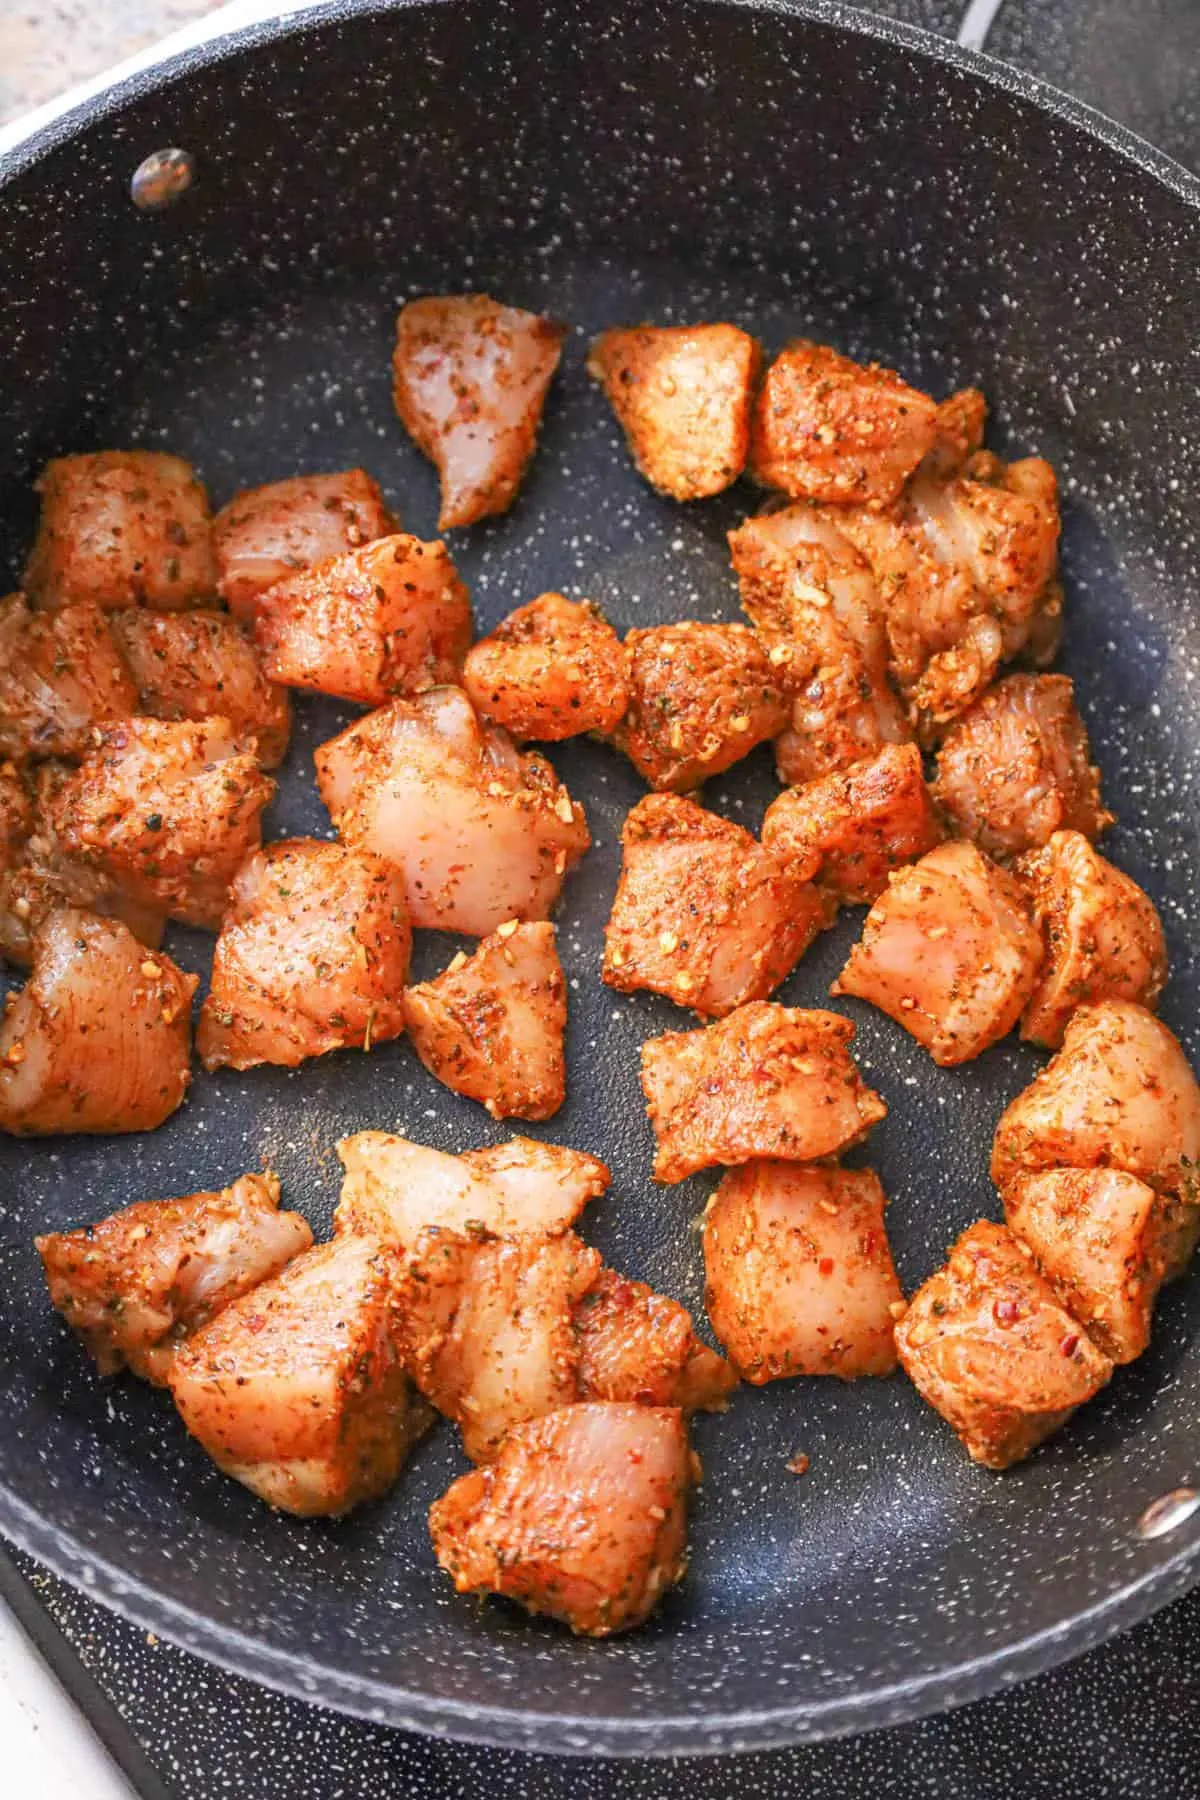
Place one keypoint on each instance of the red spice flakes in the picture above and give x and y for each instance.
(1005, 1312)
(1070, 1344)
(825, 1266)
(798, 1464)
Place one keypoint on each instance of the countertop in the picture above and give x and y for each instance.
(47, 49)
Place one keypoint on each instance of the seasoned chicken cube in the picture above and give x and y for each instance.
(392, 618)
(950, 951)
(122, 528)
(1015, 768)
(583, 1515)
(800, 1279)
(297, 1389)
(266, 534)
(469, 379)
(61, 675)
(168, 810)
(704, 914)
(1104, 938)
(140, 1281)
(98, 1038)
(482, 832)
(700, 698)
(1119, 1095)
(828, 428)
(395, 1190)
(682, 396)
(200, 665)
(767, 1081)
(1106, 1243)
(849, 830)
(637, 1345)
(491, 1026)
(16, 816)
(486, 1328)
(551, 669)
(988, 1346)
(312, 957)
(958, 434)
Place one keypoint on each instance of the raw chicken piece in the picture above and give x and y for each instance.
(637, 1345)
(486, 1328)
(1119, 1095)
(988, 1346)
(168, 810)
(704, 914)
(800, 1279)
(483, 833)
(61, 675)
(1015, 768)
(199, 665)
(700, 698)
(583, 1515)
(950, 951)
(828, 428)
(491, 1026)
(767, 1081)
(16, 816)
(140, 1281)
(959, 427)
(849, 830)
(815, 604)
(551, 669)
(682, 396)
(395, 1190)
(469, 381)
(98, 1038)
(122, 528)
(1104, 939)
(392, 618)
(266, 534)
(312, 957)
(297, 1389)
(39, 878)
(1106, 1243)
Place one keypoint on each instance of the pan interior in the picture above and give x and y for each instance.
(795, 177)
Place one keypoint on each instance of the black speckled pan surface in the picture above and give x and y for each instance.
(794, 168)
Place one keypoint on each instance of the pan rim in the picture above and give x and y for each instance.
(612, 1735)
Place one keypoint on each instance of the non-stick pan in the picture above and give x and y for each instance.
(796, 168)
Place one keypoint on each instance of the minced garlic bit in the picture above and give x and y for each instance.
(457, 961)
(506, 930)
(667, 942)
(150, 969)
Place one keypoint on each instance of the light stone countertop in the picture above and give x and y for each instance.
(45, 49)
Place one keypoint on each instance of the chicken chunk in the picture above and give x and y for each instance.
(98, 1038)
(297, 1389)
(700, 698)
(1106, 1243)
(61, 675)
(200, 665)
(1015, 768)
(582, 1516)
(491, 1026)
(486, 1328)
(1104, 938)
(550, 670)
(703, 913)
(828, 428)
(989, 1347)
(950, 951)
(395, 1190)
(1119, 1095)
(636, 1345)
(682, 396)
(122, 528)
(959, 427)
(848, 831)
(166, 809)
(266, 534)
(470, 379)
(312, 957)
(767, 1081)
(800, 1279)
(391, 618)
(482, 833)
(140, 1281)
(16, 816)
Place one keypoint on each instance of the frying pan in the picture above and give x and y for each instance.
(795, 168)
